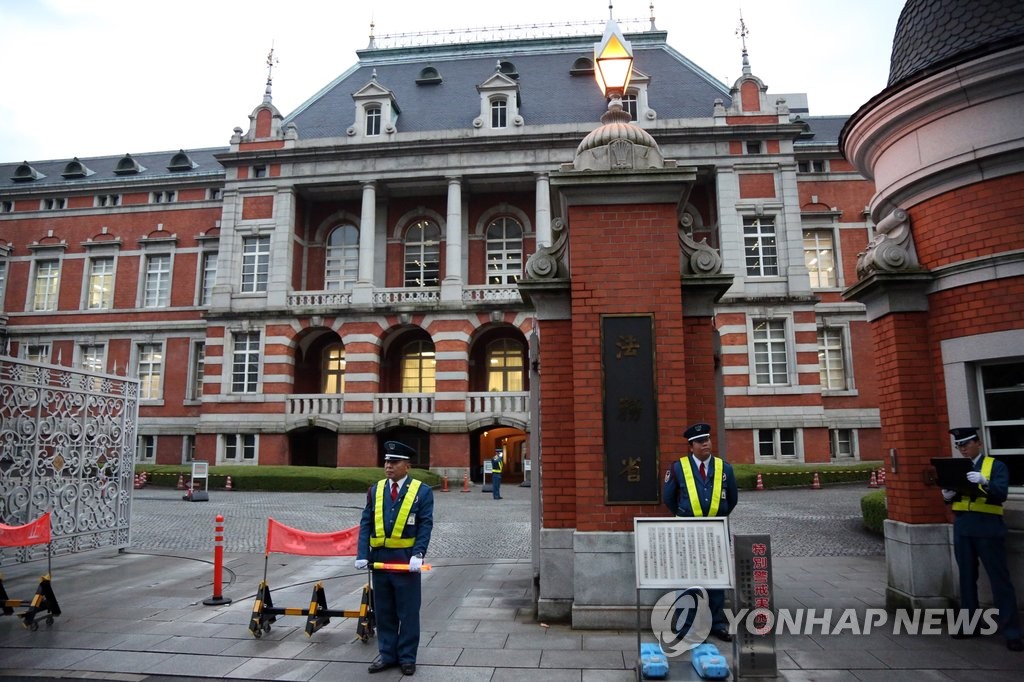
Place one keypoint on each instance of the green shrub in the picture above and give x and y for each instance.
(802, 475)
(872, 508)
(279, 478)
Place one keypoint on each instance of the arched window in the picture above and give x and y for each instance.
(342, 269)
(418, 367)
(629, 105)
(499, 112)
(505, 366)
(504, 251)
(423, 254)
(373, 120)
(333, 369)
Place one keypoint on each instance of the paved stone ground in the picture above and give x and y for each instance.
(801, 522)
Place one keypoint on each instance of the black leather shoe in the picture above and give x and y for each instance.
(1015, 644)
(379, 665)
(408, 668)
(722, 635)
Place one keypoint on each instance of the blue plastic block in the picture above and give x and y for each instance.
(709, 663)
(653, 662)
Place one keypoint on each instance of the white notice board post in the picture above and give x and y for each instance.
(199, 473)
(488, 468)
(676, 553)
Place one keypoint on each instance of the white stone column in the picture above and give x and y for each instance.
(362, 292)
(451, 286)
(542, 218)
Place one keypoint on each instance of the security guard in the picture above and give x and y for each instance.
(979, 532)
(497, 464)
(700, 484)
(395, 528)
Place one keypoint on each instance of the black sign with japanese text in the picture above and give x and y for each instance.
(630, 409)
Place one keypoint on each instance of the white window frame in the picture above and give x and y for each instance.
(255, 271)
(631, 105)
(147, 448)
(188, 449)
(504, 359)
(332, 369)
(105, 279)
(373, 119)
(758, 261)
(988, 422)
(499, 112)
(36, 352)
(424, 253)
(149, 369)
(814, 256)
(776, 440)
(503, 254)
(341, 266)
(45, 298)
(772, 340)
(833, 440)
(833, 351)
(90, 362)
(419, 366)
(207, 276)
(156, 280)
(238, 445)
(246, 362)
(196, 370)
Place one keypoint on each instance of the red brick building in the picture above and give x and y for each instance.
(943, 280)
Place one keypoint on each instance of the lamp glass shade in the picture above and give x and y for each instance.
(613, 61)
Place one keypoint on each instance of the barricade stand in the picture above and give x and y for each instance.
(44, 601)
(281, 538)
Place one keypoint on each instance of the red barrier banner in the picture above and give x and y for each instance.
(281, 538)
(34, 533)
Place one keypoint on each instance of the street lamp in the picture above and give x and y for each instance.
(613, 65)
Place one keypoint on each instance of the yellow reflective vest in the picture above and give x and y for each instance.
(979, 504)
(691, 486)
(395, 540)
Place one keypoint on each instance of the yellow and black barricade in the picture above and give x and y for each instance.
(43, 602)
(281, 538)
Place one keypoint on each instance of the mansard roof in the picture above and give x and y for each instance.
(152, 166)
(549, 91)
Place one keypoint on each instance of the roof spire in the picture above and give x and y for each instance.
(742, 32)
(271, 60)
(653, 27)
(610, 17)
(372, 40)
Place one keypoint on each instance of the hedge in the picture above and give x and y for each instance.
(872, 508)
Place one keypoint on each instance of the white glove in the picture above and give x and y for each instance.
(414, 564)
(361, 564)
(948, 495)
(976, 477)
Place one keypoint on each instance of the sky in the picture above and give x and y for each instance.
(108, 77)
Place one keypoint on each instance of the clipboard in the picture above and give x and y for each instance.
(951, 474)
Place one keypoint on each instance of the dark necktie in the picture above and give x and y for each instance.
(703, 472)
(394, 491)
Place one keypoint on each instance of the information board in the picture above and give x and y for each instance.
(682, 552)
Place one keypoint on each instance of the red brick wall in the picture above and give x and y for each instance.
(449, 449)
(757, 185)
(358, 450)
(557, 435)
(255, 208)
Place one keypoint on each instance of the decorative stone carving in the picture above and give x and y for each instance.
(892, 249)
(549, 261)
(698, 257)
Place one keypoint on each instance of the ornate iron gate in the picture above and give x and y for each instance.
(67, 443)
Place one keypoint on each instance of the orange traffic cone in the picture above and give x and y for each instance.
(816, 484)
(181, 481)
(465, 482)
(227, 484)
(444, 484)
(760, 483)
(881, 476)
(873, 483)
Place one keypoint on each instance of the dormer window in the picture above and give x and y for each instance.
(127, 166)
(582, 67)
(508, 68)
(499, 112)
(373, 117)
(26, 173)
(75, 169)
(429, 76)
(180, 162)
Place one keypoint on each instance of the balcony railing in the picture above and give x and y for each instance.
(404, 296)
(328, 409)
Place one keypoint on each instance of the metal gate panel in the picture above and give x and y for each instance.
(67, 443)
